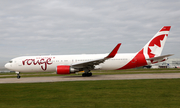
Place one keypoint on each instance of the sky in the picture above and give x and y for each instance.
(58, 27)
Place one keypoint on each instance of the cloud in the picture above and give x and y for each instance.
(66, 27)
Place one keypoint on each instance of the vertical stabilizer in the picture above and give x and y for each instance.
(155, 46)
(151, 52)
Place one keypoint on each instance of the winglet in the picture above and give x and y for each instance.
(114, 51)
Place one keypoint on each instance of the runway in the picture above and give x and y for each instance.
(92, 78)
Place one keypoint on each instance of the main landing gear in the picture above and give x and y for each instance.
(87, 73)
(18, 75)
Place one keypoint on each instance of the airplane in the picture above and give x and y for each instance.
(67, 64)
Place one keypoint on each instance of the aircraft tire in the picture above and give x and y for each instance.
(18, 77)
(89, 74)
(86, 74)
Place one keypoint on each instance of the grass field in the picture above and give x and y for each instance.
(99, 94)
(156, 93)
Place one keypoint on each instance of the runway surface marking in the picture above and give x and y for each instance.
(92, 78)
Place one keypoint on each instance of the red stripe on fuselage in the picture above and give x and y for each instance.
(137, 61)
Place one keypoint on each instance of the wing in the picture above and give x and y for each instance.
(97, 61)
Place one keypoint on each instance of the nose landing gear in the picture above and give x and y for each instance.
(18, 75)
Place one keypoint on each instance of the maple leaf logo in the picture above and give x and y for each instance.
(155, 48)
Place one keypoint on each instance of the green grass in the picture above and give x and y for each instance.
(160, 93)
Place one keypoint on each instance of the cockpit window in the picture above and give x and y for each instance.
(10, 61)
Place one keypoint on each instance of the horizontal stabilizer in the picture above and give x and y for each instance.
(159, 57)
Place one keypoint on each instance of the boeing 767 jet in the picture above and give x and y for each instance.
(67, 64)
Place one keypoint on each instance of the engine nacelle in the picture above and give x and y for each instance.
(65, 69)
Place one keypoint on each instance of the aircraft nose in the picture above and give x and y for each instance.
(7, 65)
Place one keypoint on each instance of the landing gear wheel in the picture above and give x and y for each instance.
(84, 74)
(18, 77)
(87, 74)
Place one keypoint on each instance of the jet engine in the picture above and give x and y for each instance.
(65, 69)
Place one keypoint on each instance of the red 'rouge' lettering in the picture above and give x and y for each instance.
(41, 62)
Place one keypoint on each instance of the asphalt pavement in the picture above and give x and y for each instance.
(92, 78)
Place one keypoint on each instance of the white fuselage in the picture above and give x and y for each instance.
(49, 63)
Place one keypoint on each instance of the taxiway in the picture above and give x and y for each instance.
(92, 78)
